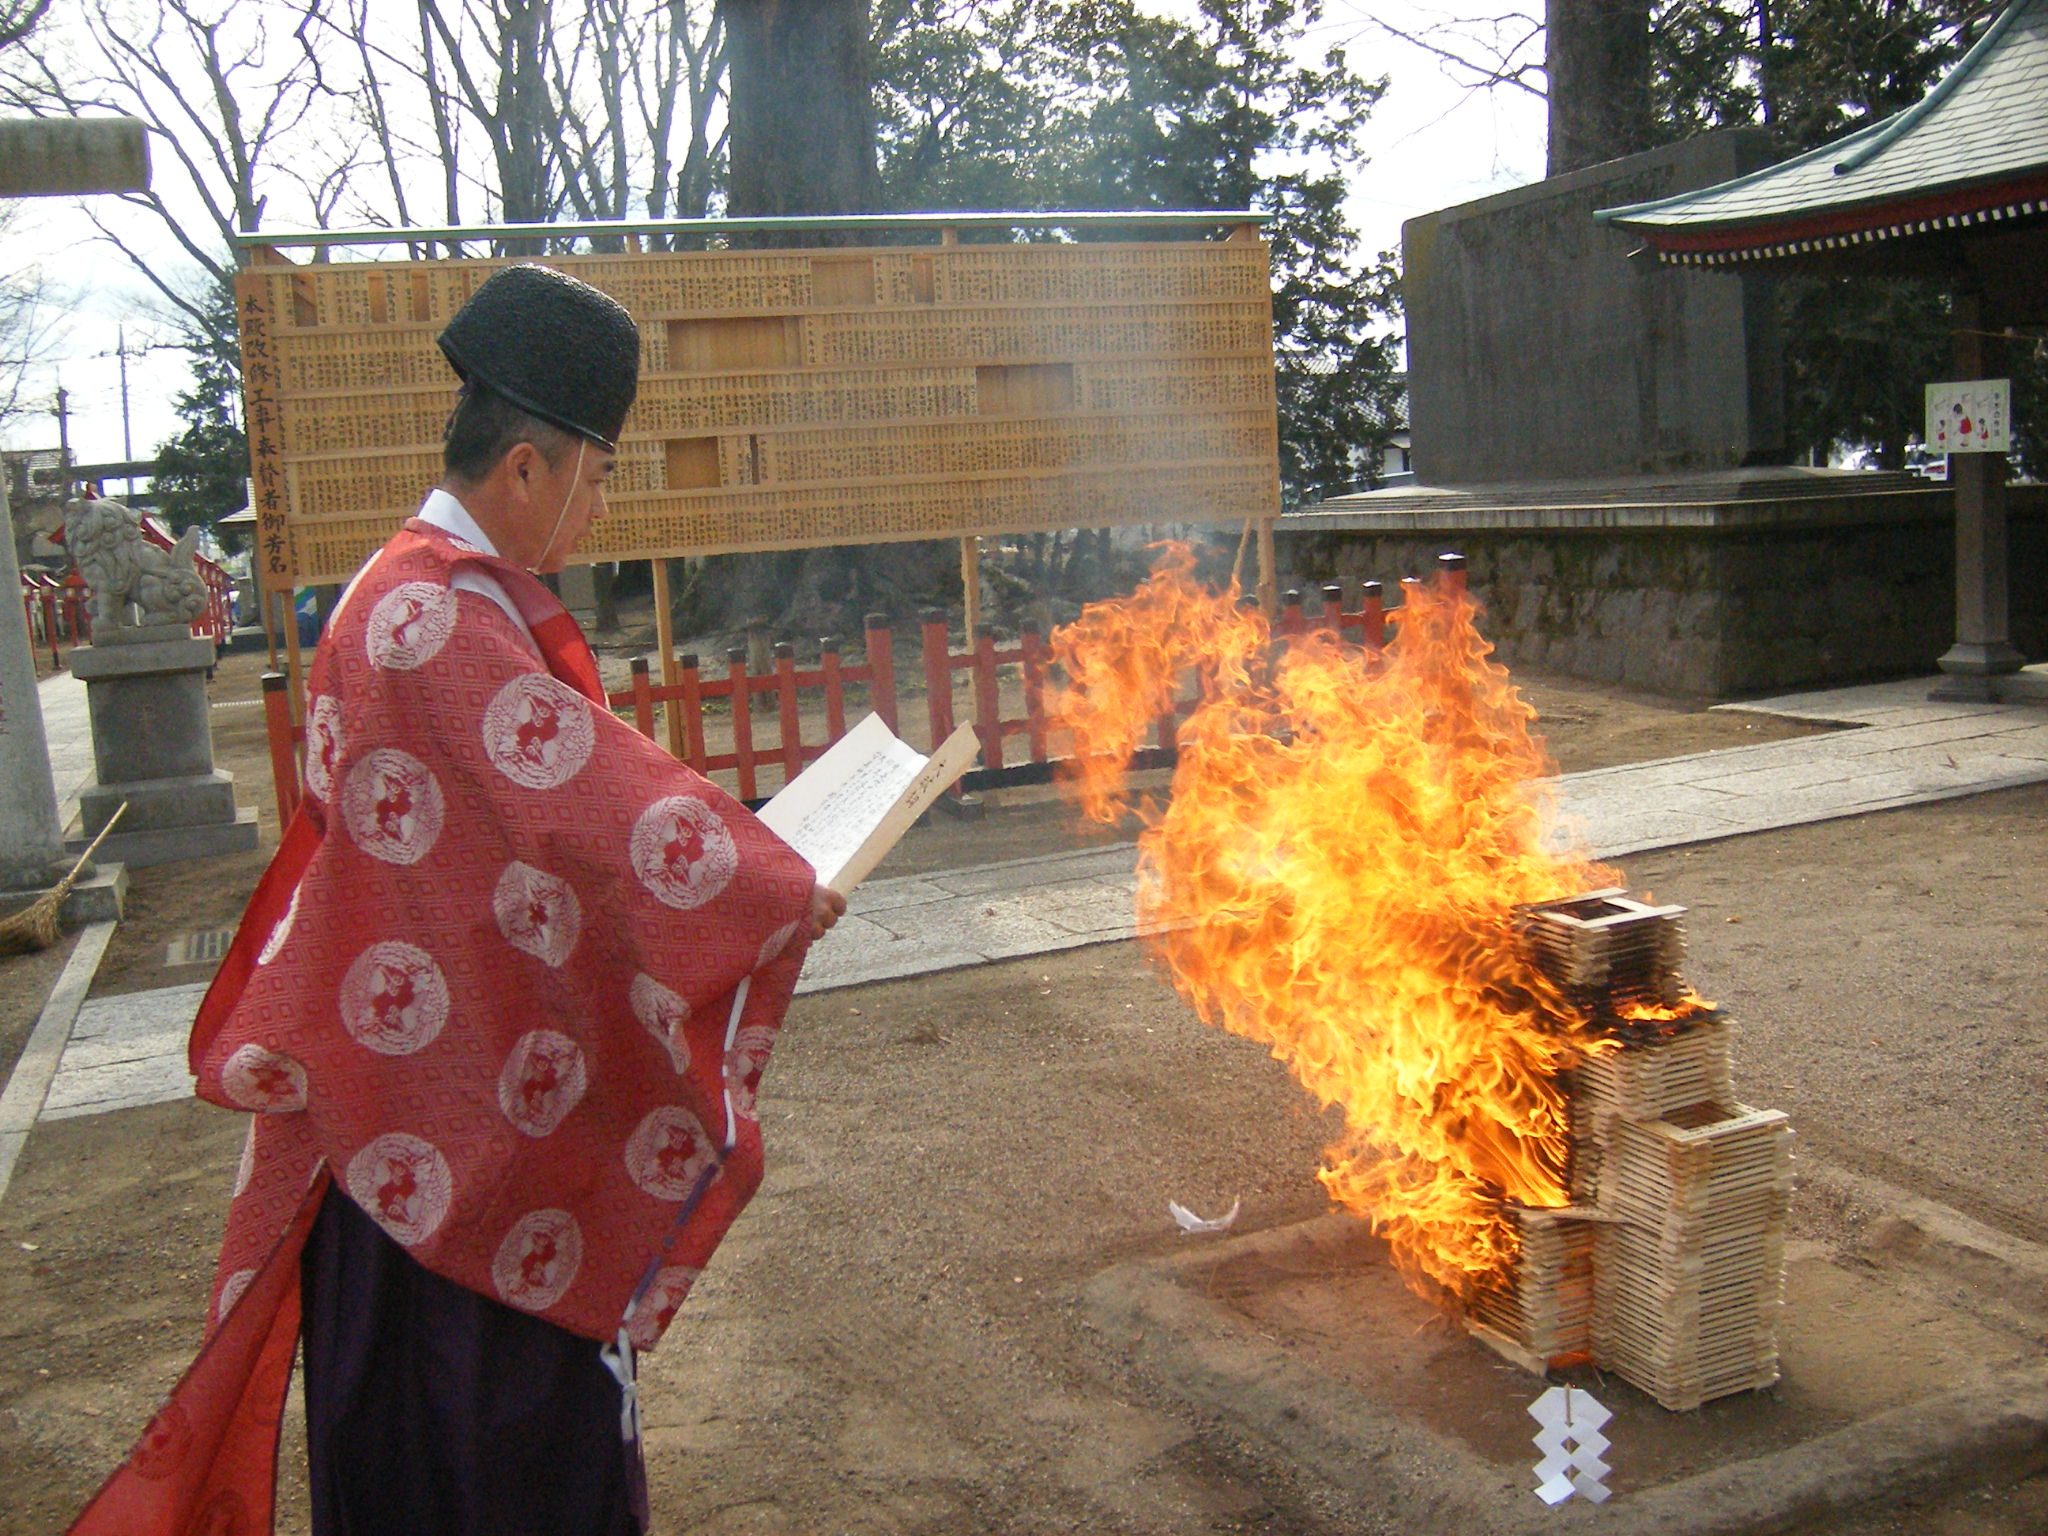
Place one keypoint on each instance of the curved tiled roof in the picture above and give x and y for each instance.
(1973, 150)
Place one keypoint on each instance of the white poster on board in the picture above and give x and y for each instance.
(1970, 416)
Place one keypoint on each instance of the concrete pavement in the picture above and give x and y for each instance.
(68, 728)
(1897, 748)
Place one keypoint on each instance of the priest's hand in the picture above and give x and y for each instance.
(827, 907)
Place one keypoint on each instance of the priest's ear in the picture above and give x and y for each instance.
(523, 466)
(485, 428)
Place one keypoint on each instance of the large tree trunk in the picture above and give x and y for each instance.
(522, 103)
(802, 141)
(1596, 54)
(802, 117)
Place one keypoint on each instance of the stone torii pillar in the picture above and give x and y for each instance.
(47, 157)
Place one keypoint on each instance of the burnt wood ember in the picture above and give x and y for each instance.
(1607, 951)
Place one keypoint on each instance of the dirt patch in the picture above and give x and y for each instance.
(1325, 1337)
(25, 983)
(891, 1339)
(1589, 725)
(1884, 976)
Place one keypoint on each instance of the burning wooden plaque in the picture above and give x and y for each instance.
(1604, 948)
(1543, 1312)
(1669, 1267)
(798, 398)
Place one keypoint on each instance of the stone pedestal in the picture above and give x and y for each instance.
(152, 743)
(31, 842)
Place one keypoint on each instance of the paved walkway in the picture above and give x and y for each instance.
(1904, 750)
(69, 730)
(1901, 750)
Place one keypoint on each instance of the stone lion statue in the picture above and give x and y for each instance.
(123, 567)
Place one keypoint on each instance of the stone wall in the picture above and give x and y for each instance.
(1538, 350)
(1700, 601)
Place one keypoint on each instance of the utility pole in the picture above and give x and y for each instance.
(121, 351)
(63, 444)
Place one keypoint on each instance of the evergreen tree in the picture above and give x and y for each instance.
(1858, 351)
(1093, 104)
(1701, 68)
(202, 472)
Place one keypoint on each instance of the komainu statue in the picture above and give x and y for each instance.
(123, 567)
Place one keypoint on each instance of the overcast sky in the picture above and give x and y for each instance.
(1431, 143)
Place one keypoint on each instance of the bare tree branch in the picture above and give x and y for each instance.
(19, 18)
(1492, 50)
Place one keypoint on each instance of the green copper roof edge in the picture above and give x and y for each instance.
(1900, 123)
(598, 228)
(1679, 199)
(1869, 141)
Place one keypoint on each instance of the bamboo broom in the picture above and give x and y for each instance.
(36, 925)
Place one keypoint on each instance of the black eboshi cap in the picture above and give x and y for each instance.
(554, 346)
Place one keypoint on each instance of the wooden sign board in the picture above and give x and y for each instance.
(798, 398)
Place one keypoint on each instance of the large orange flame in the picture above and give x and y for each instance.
(1334, 875)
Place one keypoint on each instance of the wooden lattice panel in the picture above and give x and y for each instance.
(797, 398)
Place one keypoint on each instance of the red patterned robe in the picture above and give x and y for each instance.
(511, 979)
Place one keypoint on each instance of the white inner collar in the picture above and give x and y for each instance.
(451, 516)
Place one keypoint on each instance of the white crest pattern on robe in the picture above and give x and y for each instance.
(538, 731)
(682, 852)
(403, 1184)
(657, 1307)
(542, 1080)
(326, 742)
(231, 1290)
(282, 930)
(409, 625)
(743, 1065)
(537, 913)
(394, 999)
(168, 1439)
(538, 1259)
(264, 1080)
(392, 806)
(664, 1014)
(667, 1153)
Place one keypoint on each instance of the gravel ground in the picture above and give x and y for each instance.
(890, 1341)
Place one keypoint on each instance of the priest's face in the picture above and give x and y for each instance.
(566, 498)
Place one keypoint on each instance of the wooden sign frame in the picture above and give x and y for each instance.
(796, 398)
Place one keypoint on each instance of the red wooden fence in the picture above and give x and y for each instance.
(787, 684)
(790, 751)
